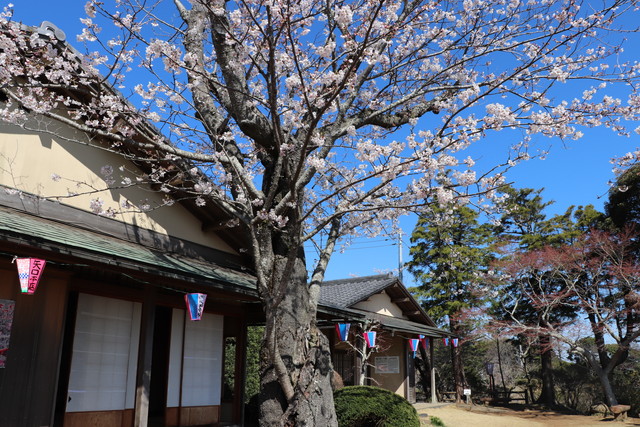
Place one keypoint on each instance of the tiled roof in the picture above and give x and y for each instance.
(347, 292)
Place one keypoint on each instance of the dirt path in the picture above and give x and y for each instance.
(479, 416)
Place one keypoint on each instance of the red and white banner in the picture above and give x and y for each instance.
(29, 272)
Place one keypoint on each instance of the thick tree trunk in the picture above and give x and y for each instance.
(607, 388)
(423, 364)
(458, 372)
(364, 363)
(547, 397)
(457, 365)
(295, 362)
(605, 364)
(504, 385)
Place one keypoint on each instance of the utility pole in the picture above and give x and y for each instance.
(400, 264)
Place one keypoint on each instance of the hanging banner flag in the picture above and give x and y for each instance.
(445, 341)
(343, 330)
(425, 342)
(413, 343)
(370, 338)
(29, 272)
(454, 341)
(195, 305)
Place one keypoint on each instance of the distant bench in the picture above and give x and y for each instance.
(620, 412)
(505, 397)
(500, 397)
(448, 396)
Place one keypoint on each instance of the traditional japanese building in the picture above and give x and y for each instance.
(105, 339)
(379, 304)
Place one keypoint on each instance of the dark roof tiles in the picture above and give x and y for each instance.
(347, 292)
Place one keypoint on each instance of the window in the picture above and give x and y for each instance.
(198, 367)
(105, 353)
(343, 365)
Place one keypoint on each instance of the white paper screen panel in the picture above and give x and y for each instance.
(105, 352)
(198, 367)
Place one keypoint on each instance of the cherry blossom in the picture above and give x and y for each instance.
(321, 121)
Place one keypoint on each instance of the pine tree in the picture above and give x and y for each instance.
(450, 249)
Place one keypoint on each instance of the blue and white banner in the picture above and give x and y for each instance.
(195, 305)
(343, 330)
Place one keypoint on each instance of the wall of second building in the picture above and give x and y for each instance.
(381, 304)
(389, 365)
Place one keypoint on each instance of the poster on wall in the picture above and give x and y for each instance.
(387, 365)
(6, 319)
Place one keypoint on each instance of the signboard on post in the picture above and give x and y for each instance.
(467, 394)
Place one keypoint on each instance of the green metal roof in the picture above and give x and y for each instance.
(38, 232)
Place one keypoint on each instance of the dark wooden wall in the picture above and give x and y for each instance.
(29, 380)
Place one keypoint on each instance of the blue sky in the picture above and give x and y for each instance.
(573, 174)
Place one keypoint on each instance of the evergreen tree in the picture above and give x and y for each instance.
(623, 204)
(450, 249)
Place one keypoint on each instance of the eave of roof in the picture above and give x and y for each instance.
(333, 314)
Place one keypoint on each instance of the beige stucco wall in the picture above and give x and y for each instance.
(395, 346)
(381, 304)
(28, 160)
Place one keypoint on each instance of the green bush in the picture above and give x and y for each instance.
(364, 406)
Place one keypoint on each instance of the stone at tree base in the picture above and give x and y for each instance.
(599, 409)
(620, 412)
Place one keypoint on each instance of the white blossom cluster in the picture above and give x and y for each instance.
(343, 114)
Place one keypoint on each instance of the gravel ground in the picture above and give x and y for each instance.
(481, 416)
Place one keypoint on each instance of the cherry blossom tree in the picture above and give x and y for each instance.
(309, 121)
(598, 279)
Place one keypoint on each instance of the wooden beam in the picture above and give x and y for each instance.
(240, 372)
(145, 352)
(403, 299)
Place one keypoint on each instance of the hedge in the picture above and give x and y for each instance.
(365, 406)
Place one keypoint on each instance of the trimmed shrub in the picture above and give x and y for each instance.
(364, 406)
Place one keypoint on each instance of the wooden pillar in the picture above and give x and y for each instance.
(145, 353)
(240, 373)
(405, 350)
(434, 396)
